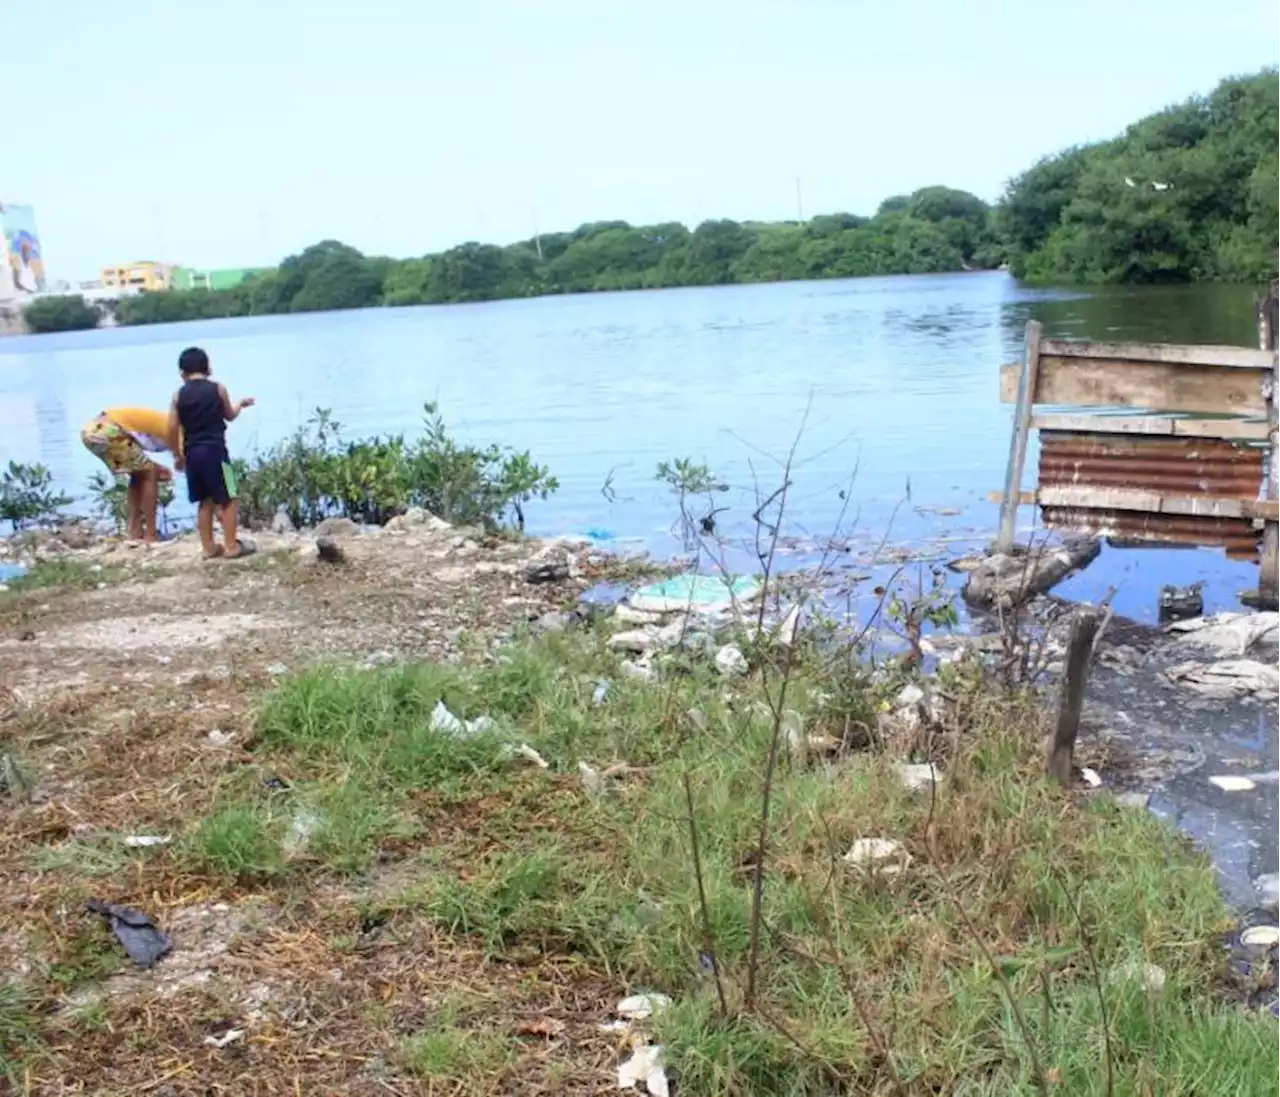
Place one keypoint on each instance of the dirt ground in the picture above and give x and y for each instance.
(126, 697)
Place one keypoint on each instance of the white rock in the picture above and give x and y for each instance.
(639, 641)
(909, 696)
(883, 855)
(731, 661)
(218, 738)
(641, 669)
(627, 615)
(277, 669)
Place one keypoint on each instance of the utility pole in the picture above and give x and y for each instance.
(799, 201)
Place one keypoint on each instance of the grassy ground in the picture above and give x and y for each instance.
(380, 906)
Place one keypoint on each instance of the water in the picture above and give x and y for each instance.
(894, 381)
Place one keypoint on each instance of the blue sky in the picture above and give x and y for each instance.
(234, 132)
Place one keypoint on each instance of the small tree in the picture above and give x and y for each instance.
(49, 314)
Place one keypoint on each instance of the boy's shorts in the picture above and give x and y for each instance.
(209, 475)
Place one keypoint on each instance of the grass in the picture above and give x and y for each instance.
(392, 848)
(528, 866)
(65, 574)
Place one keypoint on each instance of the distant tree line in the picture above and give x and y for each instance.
(1188, 194)
(935, 229)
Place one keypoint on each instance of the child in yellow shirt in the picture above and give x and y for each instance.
(123, 438)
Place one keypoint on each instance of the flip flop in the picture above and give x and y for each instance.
(243, 549)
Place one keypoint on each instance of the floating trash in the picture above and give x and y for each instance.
(1231, 783)
(1261, 937)
(702, 593)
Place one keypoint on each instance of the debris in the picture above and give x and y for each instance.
(645, 1065)
(910, 695)
(1230, 783)
(1267, 888)
(629, 615)
(591, 779)
(1151, 975)
(217, 738)
(444, 720)
(1226, 679)
(884, 855)
(305, 823)
(1005, 580)
(601, 692)
(548, 1027)
(1228, 634)
(639, 641)
(704, 593)
(142, 939)
(547, 572)
(526, 751)
(328, 550)
(731, 661)
(276, 669)
(1090, 777)
(789, 628)
(228, 1037)
(639, 1007)
(1261, 937)
(916, 776)
(1181, 603)
(143, 841)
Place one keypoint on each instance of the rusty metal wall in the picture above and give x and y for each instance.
(1184, 467)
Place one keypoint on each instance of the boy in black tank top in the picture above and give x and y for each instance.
(198, 419)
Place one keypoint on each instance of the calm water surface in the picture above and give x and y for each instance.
(893, 379)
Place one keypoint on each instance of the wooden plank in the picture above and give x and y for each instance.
(1027, 384)
(1174, 354)
(1161, 386)
(1247, 430)
(1136, 499)
(1084, 628)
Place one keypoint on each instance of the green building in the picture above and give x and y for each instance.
(186, 278)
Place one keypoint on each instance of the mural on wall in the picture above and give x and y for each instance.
(22, 248)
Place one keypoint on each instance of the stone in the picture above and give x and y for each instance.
(1006, 580)
(337, 527)
(1267, 888)
(628, 615)
(328, 550)
(1136, 800)
(640, 641)
(917, 775)
(884, 855)
(546, 572)
(910, 695)
(282, 524)
(731, 662)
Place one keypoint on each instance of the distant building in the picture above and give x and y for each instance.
(186, 278)
(146, 274)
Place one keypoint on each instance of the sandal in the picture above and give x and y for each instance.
(243, 549)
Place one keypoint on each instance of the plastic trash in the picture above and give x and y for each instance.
(228, 1037)
(883, 855)
(592, 781)
(305, 823)
(703, 593)
(219, 738)
(1231, 783)
(142, 939)
(1090, 777)
(1261, 937)
(142, 841)
(601, 692)
(444, 720)
(645, 1065)
(526, 751)
(640, 1007)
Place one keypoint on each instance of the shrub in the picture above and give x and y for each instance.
(316, 475)
(48, 314)
(27, 495)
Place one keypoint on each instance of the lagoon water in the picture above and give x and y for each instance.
(891, 384)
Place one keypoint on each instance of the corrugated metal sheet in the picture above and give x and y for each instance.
(1175, 467)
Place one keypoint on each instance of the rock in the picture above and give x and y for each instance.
(1005, 580)
(282, 524)
(328, 550)
(547, 572)
(884, 855)
(277, 669)
(640, 1007)
(76, 534)
(627, 615)
(731, 662)
(1136, 800)
(640, 641)
(494, 567)
(219, 739)
(917, 775)
(592, 780)
(910, 695)
(641, 669)
(337, 527)
(550, 622)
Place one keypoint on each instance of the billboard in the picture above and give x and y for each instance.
(22, 248)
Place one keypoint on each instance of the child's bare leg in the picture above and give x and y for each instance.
(133, 507)
(148, 502)
(229, 516)
(204, 523)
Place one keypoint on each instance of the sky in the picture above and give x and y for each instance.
(234, 132)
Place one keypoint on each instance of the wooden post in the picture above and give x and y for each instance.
(1021, 432)
(1084, 627)
(1269, 562)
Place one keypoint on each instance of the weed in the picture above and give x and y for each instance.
(466, 1057)
(65, 573)
(241, 839)
(19, 1029)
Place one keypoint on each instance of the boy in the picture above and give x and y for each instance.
(198, 419)
(123, 439)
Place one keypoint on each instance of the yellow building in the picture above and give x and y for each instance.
(146, 274)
